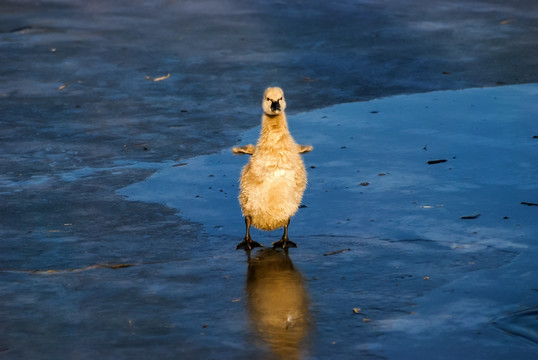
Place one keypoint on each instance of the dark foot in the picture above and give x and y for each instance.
(284, 244)
(248, 244)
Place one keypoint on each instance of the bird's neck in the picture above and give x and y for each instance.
(275, 133)
(274, 123)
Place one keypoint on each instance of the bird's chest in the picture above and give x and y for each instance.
(276, 167)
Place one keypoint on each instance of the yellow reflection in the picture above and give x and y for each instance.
(277, 302)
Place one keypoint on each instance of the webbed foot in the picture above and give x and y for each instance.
(248, 244)
(284, 244)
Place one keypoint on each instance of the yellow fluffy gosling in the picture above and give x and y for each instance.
(273, 181)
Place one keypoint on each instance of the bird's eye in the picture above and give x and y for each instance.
(268, 99)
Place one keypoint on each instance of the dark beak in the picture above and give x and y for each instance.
(275, 105)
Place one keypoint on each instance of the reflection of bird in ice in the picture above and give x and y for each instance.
(277, 302)
(273, 181)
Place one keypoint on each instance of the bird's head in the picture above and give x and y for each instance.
(273, 101)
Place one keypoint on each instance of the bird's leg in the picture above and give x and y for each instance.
(248, 243)
(285, 242)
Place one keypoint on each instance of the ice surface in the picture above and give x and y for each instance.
(369, 175)
(436, 251)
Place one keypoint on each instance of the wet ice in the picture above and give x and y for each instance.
(424, 277)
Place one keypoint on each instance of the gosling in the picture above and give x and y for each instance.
(273, 181)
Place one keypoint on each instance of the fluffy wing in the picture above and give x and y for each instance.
(303, 149)
(247, 149)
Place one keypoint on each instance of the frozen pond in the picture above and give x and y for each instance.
(118, 205)
(398, 258)
(417, 238)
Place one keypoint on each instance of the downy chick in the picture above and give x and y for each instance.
(273, 181)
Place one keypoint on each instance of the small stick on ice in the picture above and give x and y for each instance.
(470, 217)
(161, 78)
(337, 252)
